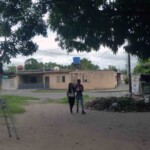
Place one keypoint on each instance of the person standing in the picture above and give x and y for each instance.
(71, 96)
(79, 96)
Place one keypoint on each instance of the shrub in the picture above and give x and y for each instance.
(126, 80)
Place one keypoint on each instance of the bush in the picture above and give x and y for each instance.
(126, 80)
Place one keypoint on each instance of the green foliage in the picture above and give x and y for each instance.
(111, 67)
(31, 64)
(65, 99)
(51, 65)
(126, 80)
(124, 72)
(85, 25)
(20, 21)
(143, 67)
(122, 104)
(11, 69)
(87, 65)
(16, 103)
(126, 104)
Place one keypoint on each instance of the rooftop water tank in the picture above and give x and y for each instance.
(56, 68)
(76, 60)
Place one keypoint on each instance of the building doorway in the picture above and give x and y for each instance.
(46, 82)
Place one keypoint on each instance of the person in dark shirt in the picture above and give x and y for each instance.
(79, 96)
(71, 96)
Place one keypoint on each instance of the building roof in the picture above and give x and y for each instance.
(40, 71)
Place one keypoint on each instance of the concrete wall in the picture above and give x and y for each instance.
(90, 79)
(10, 84)
(96, 79)
(56, 80)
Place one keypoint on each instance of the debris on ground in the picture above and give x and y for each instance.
(120, 104)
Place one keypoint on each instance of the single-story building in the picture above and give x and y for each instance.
(99, 79)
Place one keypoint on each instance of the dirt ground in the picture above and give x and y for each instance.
(52, 127)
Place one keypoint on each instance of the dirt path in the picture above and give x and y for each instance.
(52, 127)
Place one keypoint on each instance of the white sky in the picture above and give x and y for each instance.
(49, 51)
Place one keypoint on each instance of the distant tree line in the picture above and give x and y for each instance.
(85, 64)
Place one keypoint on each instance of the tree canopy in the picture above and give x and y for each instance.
(31, 64)
(111, 67)
(88, 65)
(20, 21)
(85, 25)
(143, 67)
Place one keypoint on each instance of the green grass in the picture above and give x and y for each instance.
(16, 103)
(65, 100)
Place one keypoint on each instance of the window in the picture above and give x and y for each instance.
(58, 79)
(85, 78)
(61, 79)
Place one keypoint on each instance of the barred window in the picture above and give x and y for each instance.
(61, 79)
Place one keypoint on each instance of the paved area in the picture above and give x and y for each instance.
(51, 94)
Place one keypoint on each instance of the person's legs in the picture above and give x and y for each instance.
(82, 104)
(77, 103)
(70, 105)
(73, 100)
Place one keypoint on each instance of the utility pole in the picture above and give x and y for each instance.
(129, 74)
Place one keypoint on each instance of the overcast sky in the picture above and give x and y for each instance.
(49, 51)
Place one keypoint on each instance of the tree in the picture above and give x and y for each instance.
(85, 25)
(84, 63)
(143, 67)
(20, 21)
(87, 65)
(32, 64)
(111, 67)
(11, 68)
(51, 65)
(123, 71)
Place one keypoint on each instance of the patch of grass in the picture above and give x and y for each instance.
(15, 103)
(65, 100)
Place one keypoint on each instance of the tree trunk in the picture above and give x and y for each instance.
(1, 75)
(129, 74)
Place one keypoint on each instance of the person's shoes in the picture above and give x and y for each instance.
(83, 112)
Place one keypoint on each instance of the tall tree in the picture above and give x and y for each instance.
(85, 25)
(32, 64)
(111, 67)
